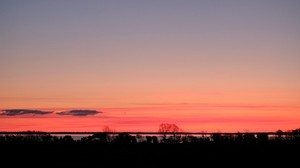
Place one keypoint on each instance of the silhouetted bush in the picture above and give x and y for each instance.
(262, 137)
(248, 137)
(279, 135)
(173, 138)
(216, 137)
(67, 139)
(125, 138)
(101, 137)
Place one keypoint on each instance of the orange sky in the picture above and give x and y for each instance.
(205, 66)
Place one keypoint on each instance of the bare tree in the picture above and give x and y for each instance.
(108, 129)
(165, 128)
(168, 128)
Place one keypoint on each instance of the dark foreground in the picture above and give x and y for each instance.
(212, 154)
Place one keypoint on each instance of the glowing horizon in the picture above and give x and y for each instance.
(189, 117)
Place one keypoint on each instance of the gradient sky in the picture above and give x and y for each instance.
(208, 65)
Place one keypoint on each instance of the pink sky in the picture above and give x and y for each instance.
(189, 117)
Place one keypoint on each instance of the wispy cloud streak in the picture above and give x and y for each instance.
(218, 105)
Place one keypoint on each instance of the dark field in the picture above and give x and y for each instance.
(221, 153)
(150, 155)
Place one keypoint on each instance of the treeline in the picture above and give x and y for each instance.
(166, 149)
(162, 137)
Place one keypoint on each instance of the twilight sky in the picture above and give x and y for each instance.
(208, 65)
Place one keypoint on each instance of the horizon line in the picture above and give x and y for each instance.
(142, 132)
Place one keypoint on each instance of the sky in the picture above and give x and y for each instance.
(208, 65)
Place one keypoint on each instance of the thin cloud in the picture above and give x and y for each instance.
(79, 112)
(217, 105)
(15, 112)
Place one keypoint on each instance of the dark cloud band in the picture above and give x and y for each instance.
(15, 112)
(79, 112)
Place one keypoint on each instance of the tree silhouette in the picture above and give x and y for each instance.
(67, 139)
(108, 129)
(125, 138)
(296, 134)
(139, 138)
(279, 134)
(165, 128)
(216, 137)
(154, 139)
(101, 137)
(262, 137)
(168, 128)
(149, 139)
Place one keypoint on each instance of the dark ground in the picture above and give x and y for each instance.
(209, 154)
